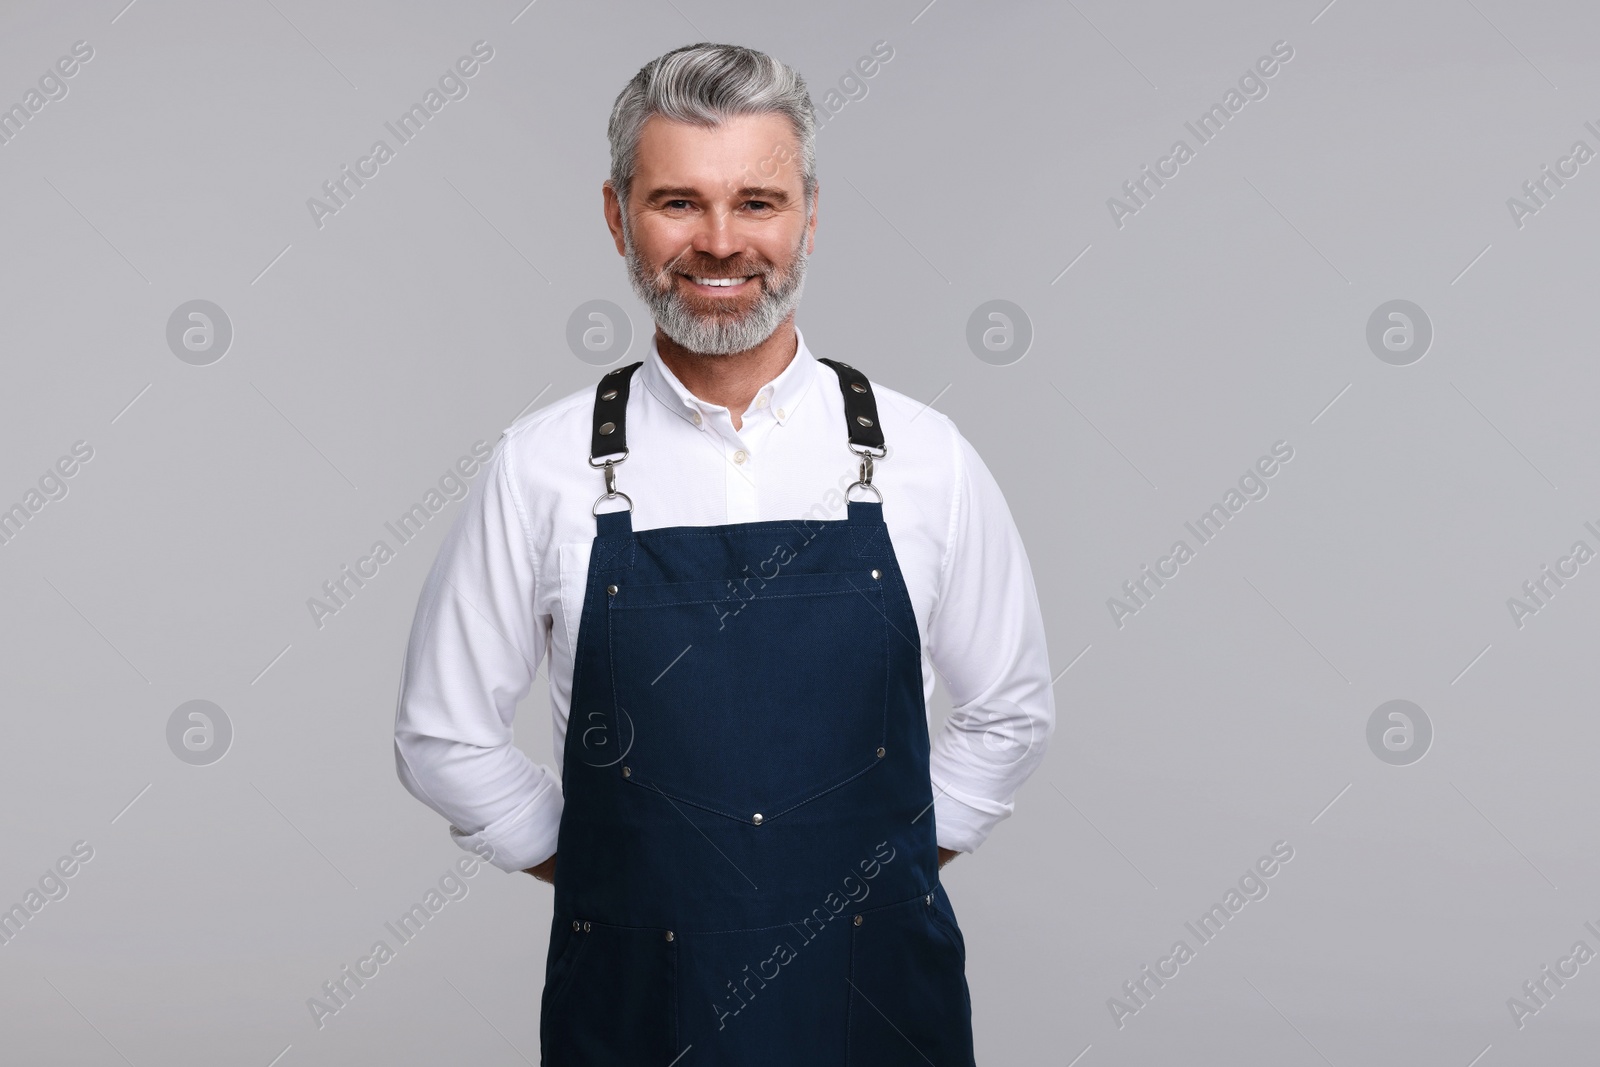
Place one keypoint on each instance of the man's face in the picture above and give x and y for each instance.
(716, 232)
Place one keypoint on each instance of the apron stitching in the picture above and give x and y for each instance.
(644, 781)
(724, 600)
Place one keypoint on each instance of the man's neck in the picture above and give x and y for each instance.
(732, 380)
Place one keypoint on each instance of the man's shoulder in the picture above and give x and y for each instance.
(913, 424)
(555, 426)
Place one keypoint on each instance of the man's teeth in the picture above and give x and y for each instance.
(718, 281)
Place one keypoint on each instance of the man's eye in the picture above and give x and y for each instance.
(758, 205)
(677, 205)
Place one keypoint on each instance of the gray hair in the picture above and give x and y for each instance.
(706, 84)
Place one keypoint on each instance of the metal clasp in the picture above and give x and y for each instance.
(611, 492)
(865, 479)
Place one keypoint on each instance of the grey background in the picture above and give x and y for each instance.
(1228, 314)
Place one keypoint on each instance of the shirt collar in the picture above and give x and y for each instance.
(783, 394)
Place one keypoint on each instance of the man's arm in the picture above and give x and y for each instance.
(475, 646)
(987, 642)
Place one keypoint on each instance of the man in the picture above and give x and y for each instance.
(744, 616)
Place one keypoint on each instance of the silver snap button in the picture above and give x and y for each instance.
(607, 428)
(756, 818)
(611, 589)
(858, 920)
(928, 899)
(876, 573)
(669, 935)
(862, 419)
(858, 387)
(586, 926)
(609, 394)
(880, 751)
(576, 925)
(627, 772)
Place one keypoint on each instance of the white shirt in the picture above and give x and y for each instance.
(507, 588)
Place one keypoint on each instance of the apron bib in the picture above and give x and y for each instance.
(747, 871)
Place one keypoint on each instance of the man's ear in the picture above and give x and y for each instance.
(613, 212)
(811, 223)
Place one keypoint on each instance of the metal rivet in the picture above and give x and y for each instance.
(858, 387)
(877, 573)
(862, 419)
(576, 925)
(609, 394)
(880, 751)
(756, 818)
(611, 589)
(607, 428)
(928, 899)
(586, 926)
(858, 920)
(627, 772)
(669, 935)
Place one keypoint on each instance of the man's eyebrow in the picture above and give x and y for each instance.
(688, 192)
(764, 192)
(672, 192)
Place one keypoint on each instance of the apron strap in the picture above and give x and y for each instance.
(860, 409)
(610, 436)
(610, 440)
(866, 436)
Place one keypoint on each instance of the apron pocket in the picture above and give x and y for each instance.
(909, 1003)
(750, 700)
(565, 945)
(612, 998)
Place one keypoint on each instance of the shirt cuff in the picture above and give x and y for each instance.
(522, 839)
(963, 822)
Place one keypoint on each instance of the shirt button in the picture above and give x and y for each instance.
(696, 418)
(780, 413)
(761, 401)
(740, 456)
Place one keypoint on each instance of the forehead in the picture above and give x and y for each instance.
(740, 150)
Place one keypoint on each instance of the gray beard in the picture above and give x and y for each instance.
(716, 335)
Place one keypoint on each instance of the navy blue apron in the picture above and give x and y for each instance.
(746, 865)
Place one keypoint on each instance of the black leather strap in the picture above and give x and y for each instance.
(610, 434)
(860, 409)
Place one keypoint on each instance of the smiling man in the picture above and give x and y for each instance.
(743, 634)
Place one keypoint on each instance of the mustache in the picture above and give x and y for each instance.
(690, 262)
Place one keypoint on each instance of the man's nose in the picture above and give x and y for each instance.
(718, 235)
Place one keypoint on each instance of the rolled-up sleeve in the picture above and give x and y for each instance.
(475, 647)
(987, 642)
